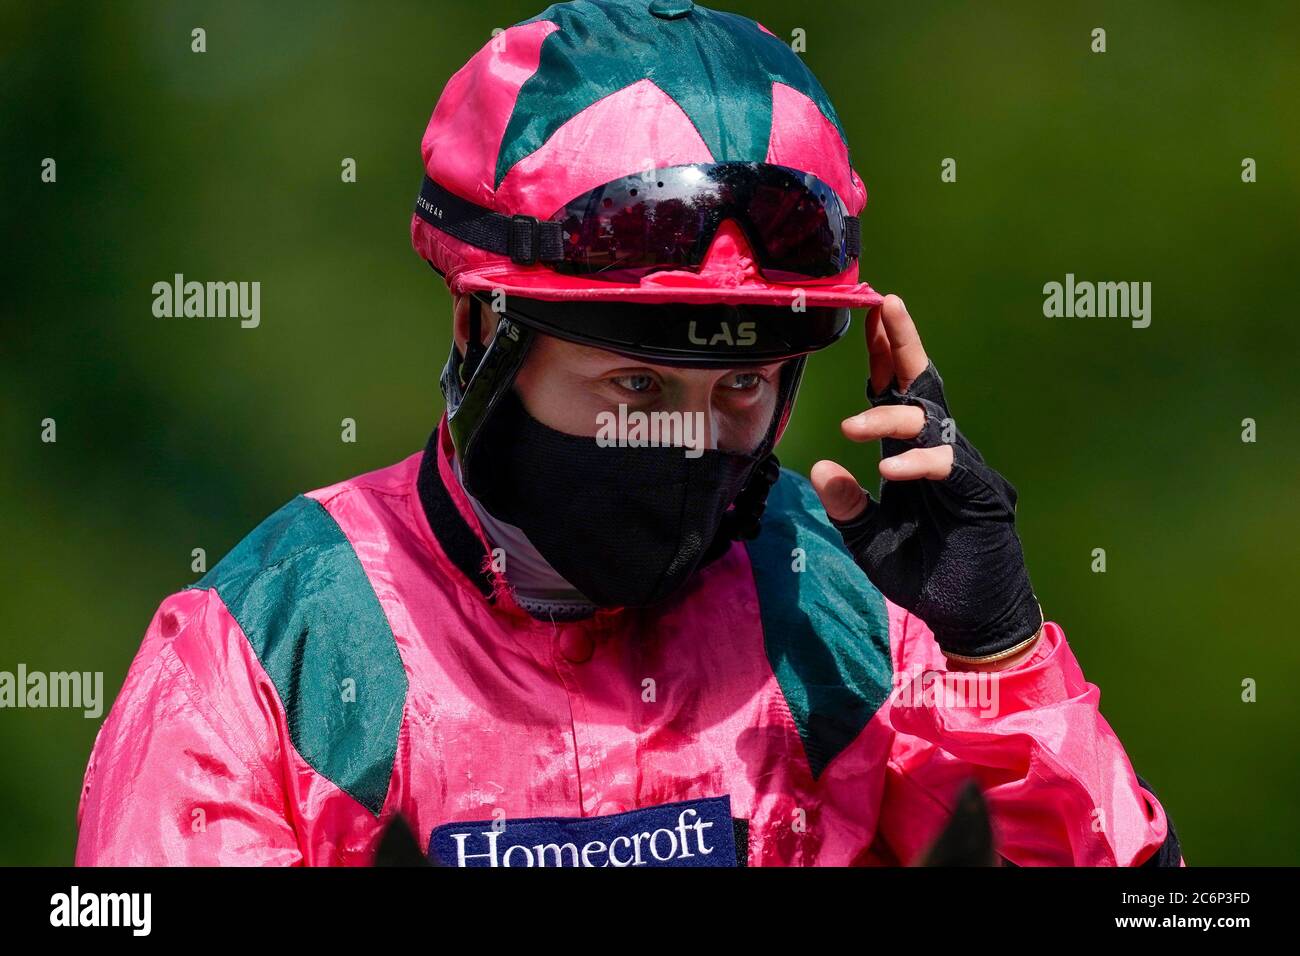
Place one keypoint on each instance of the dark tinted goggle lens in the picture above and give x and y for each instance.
(666, 219)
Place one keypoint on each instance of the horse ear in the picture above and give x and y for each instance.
(967, 838)
(399, 847)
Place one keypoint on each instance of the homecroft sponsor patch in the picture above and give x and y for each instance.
(688, 833)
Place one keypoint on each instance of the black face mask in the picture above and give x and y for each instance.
(625, 526)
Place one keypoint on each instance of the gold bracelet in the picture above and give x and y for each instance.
(1002, 655)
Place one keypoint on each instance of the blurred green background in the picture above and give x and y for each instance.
(182, 433)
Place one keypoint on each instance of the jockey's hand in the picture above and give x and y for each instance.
(941, 542)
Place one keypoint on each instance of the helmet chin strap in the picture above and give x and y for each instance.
(474, 348)
(744, 520)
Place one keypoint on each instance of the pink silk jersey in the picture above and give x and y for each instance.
(359, 656)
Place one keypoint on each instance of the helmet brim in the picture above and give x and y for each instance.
(706, 335)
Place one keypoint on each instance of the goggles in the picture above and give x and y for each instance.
(666, 218)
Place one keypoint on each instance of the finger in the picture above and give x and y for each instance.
(905, 346)
(882, 361)
(884, 421)
(840, 493)
(932, 463)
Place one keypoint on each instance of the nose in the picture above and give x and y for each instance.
(695, 400)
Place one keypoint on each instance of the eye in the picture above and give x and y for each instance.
(742, 381)
(641, 384)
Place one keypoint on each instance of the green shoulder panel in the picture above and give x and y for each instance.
(303, 600)
(825, 626)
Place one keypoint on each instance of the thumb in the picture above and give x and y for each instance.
(840, 493)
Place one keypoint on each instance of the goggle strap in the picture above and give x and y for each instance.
(852, 237)
(525, 239)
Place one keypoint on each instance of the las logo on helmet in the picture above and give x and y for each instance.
(744, 334)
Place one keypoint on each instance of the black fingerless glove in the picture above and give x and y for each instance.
(947, 550)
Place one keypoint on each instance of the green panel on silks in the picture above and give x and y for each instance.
(303, 600)
(825, 627)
